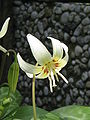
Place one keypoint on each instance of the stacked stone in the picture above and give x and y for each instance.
(68, 22)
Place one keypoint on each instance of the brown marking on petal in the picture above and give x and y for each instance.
(42, 67)
(56, 64)
(46, 70)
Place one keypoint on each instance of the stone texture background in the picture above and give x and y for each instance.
(68, 22)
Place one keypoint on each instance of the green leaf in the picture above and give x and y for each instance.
(50, 116)
(13, 74)
(73, 112)
(26, 113)
(9, 107)
(16, 97)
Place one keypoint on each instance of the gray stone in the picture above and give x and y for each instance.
(84, 76)
(34, 15)
(16, 10)
(72, 7)
(30, 9)
(57, 10)
(27, 100)
(18, 44)
(85, 47)
(41, 14)
(40, 27)
(73, 39)
(88, 84)
(80, 101)
(86, 21)
(22, 7)
(88, 93)
(87, 9)
(59, 98)
(17, 2)
(77, 19)
(75, 92)
(68, 99)
(65, 7)
(77, 8)
(80, 40)
(89, 64)
(80, 84)
(87, 39)
(78, 30)
(65, 17)
(78, 50)
(66, 36)
(39, 102)
(84, 60)
(46, 90)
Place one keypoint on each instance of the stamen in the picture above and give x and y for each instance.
(52, 76)
(62, 77)
(56, 77)
(50, 82)
(46, 70)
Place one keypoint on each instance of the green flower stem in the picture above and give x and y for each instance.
(33, 97)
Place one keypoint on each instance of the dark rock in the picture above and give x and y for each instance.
(17, 2)
(88, 93)
(41, 14)
(84, 60)
(34, 15)
(57, 10)
(86, 21)
(87, 9)
(73, 39)
(87, 38)
(78, 30)
(80, 84)
(39, 102)
(80, 101)
(84, 76)
(59, 98)
(66, 36)
(26, 100)
(40, 27)
(75, 92)
(78, 50)
(46, 90)
(65, 17)
(68, 99)
(88, 84)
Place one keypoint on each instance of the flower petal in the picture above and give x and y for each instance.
(3, 49)
(57, 48)
(4, 27)
(39, 51)
(63, 62)
(28, 68)
(29, 75)
(62, 77)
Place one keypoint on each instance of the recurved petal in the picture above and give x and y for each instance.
(28, 68)
(63, 62)
(4, 27)
(57, 48)
(3, 49)
(39, 51)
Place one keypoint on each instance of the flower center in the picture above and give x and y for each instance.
(50, 66)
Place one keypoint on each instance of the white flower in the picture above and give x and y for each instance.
(3, 32)
(48, 66)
